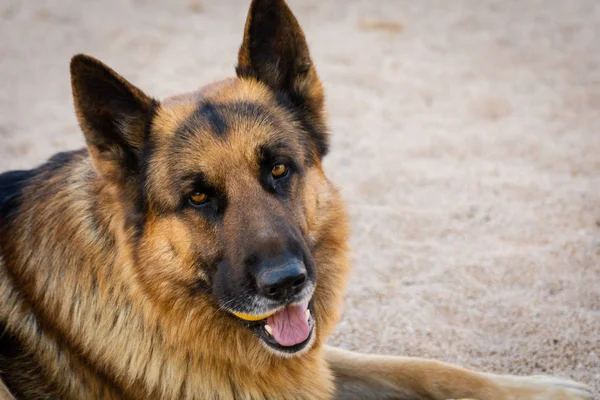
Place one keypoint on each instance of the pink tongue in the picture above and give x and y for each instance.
(289, 325)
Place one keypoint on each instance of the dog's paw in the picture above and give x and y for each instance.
(542, 388)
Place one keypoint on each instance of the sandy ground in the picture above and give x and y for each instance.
(466, 141)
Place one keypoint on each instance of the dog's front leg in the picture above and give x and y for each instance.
(362, 376)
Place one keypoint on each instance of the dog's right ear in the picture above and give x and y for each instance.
(275, 52)
(114, 116)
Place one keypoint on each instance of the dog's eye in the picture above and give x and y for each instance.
(198, 198)
(279, 170)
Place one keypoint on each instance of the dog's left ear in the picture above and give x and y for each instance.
(274, 51)
(114, 116)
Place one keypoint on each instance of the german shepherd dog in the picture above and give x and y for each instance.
(196, 250)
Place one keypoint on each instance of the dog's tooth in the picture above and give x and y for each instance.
(307, 315)
(269, 330)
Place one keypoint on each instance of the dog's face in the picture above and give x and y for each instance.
(230, 184)
(220, 188)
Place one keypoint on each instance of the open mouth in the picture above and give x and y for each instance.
(287, 330)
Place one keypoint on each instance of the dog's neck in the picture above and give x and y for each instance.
(117, 343)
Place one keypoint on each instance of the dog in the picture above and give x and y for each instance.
(196, 250)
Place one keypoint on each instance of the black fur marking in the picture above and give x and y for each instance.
(20, 372)
(217, 118)
(150, 119)
(135, 217)
(12, 184)
(316, 132)
(9, 346)
(217, 123)
(61, 159)
(202, 287)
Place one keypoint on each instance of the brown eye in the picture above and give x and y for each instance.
(198, 198)
(279, 171)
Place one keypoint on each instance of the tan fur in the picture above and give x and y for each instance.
(5, 393)
(105, 309)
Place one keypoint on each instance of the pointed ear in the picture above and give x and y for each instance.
(114, 116)
(274, 51)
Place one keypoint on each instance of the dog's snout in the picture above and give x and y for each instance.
(281, 280)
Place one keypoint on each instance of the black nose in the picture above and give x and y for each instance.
(280, 281)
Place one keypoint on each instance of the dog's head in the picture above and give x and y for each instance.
(225, 205)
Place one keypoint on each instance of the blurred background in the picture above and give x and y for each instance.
(466, 141)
